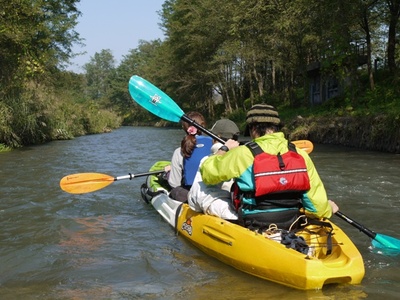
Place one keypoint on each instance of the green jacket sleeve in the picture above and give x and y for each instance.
(219, 168)
(315, 200)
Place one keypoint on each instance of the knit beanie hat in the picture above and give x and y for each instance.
(261, 113)
(225, 128)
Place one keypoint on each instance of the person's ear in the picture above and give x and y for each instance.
(253, 132)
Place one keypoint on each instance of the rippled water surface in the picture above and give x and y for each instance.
(111, 245)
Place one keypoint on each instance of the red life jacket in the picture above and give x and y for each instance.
(280, 182)
(278, 173)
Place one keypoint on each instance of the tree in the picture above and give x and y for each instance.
(99, 72)
(259, 50)
(195, 30)
(369, 20)
(145, 61)
(394, 14)
(35, 37)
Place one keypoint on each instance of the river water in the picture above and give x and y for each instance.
(109, 244)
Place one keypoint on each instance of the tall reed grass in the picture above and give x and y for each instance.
(36, 115)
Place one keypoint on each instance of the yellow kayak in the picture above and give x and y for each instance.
(332, 257)
(263, 257)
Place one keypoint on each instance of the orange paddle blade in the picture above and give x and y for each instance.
(305, 145)
(81, 183)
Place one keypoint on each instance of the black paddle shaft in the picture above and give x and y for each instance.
(198, 126)
(360, 227)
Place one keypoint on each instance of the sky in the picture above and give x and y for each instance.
(117, 25)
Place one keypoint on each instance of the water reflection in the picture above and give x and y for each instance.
(86, 239)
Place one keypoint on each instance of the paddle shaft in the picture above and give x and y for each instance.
(131, 176)
(157, 102)
(186, 119)
(360, 227)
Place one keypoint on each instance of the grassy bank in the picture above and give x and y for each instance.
(36, 115)
(379, 132)
(370, 122)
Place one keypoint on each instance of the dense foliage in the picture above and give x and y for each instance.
(38, 100)
(218, 57)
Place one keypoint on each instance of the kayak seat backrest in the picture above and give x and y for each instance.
(155, 184)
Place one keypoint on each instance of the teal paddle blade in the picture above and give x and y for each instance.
(154, 100)
(381, 243)
(386, 244)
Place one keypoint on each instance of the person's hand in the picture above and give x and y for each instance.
(231, 144)
(167, 168)
(335, 208)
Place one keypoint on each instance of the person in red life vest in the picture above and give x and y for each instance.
(275, 183)
(185, 160)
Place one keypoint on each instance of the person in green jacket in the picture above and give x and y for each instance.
(275, 183)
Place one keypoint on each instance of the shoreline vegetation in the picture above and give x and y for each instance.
(39, 115)
(332, 73)
(373, 133)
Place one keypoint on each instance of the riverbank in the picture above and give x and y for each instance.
(377, 133)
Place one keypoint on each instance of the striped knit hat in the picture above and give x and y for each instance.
(261, 113)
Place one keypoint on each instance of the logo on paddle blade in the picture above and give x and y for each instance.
(155, 99)
(187, 226)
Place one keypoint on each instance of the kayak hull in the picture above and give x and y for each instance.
(260, 256)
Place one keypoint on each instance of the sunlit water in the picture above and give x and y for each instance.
(111, 245)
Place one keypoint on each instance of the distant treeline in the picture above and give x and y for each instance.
(217, 57)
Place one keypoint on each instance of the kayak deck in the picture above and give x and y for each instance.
(260, 256)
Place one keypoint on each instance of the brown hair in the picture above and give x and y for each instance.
(188, 143)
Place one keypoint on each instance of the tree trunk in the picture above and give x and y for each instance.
(365, 25)
(394, 8)
(228, 107)
(273, 78)
(259, 79)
